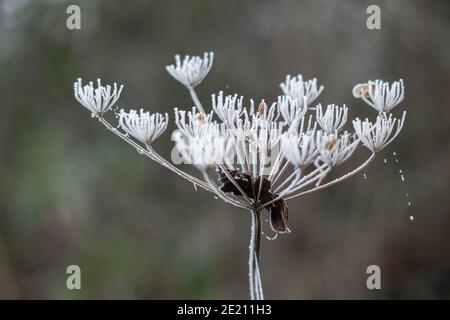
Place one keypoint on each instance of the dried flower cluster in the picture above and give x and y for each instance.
(256, 156)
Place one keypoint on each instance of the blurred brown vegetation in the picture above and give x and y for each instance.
(71, 193)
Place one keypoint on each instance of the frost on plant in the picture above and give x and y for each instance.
(256, 155)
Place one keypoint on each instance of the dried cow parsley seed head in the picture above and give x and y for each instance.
(262, 107)
(304, 91)
(291, 110)
(264, 154)
(190, 122)
(228, 109)
(380, 95)
(300, 149)
(376, 136)
(97, 100)
(191, 70)
(142, 125)
(360, 90)
(333, 149)
(207, 147)
(333, 119)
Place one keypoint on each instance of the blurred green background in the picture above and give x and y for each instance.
(71, 193)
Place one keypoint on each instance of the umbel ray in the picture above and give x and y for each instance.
(256, 156)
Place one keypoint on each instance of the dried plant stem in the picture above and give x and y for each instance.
(251, 258)
(153, 155)
(196, 100)
(183, 174)
(342, 178)
(280, 172)
(254, 276)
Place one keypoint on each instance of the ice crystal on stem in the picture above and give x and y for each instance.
(256, 156)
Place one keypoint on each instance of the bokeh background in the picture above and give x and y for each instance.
(71, 193)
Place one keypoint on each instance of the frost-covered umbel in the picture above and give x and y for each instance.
(332, 119)
(191, 70)
(98, 99)
(142, 125)
(256, 155)
(380, 95)
(378, 135)
(304, 91)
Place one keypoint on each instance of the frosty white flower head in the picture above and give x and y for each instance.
(335, 149)
(380, 95)
(333, 119)
(304, 91)
(228, 108)
(208, 147)
(376, 136)
(142, 125)
(97, 100)
(189, 122)
(192, 69)
(290, 109)
(265, 136)
(300, 149)
(243, 127)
